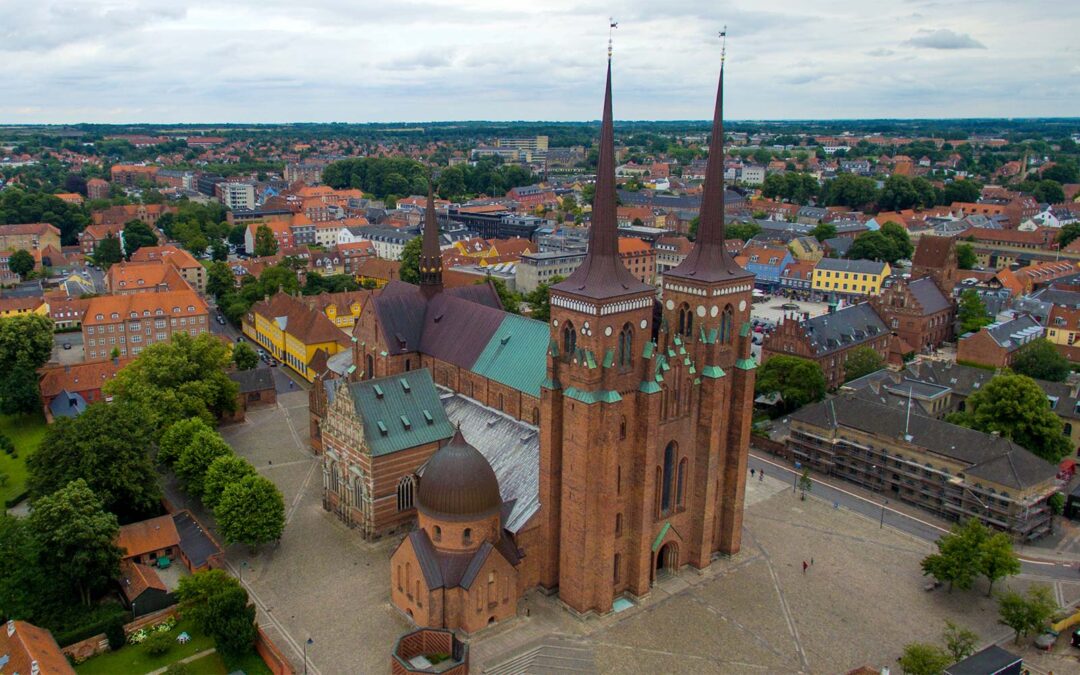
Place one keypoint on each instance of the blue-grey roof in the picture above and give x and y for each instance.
(1016, 333)
(854, 266)
(67, 404)
(844, 328)
(928, 295)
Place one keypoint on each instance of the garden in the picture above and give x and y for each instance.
(25, 432)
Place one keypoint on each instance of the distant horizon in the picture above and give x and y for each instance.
(268, 61)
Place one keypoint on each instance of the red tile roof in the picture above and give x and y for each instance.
(78, 377)
(148, 536)
(171, 303)
(26, 645)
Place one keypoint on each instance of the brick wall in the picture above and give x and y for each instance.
(271, 655)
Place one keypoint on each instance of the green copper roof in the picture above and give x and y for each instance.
(649, 388)
(514, 355)
(609, 358)
(745, 329)
(746, 364)
(400, 411)
(590, 358)
(600, 396)
(714, 372)
(650, 349)
(660, 537)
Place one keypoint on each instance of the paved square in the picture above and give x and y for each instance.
(858, 604)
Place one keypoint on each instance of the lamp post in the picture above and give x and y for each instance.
(795, 478)
(881, 524)
(132, 610)
(243, 564)
(308, 642)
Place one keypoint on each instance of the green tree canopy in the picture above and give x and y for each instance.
(107, 252)
(30, 206)
(136, 235)
(1068, 232)
(539, 299)
(959, 641)
(901, 192)
(744, 231)
(965, 256)
(1041, 360)
(511, 301)
(21, 263)
(105, 446)
(823, 231)
(223, 472)
(1049, 192)
(1027, 613)
(963, 190)
(179, 379)
(1016, 407)
(77, 538)
(177, 437)
(958, 561)
(848, 189)
(862, 361)
(244, 356)
(923, 658)
(219, 279)
(997, 559)
(195, 460)
(265, 243)
(972, 313)
(410, 260)
(218, 605)
(26, 343)
(798, 381)
(898, 236)
(22, 584)
(251, 511)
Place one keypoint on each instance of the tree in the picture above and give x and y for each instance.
(179, 379)
(77, 538)
(219, 279)
(452, 183)
(823, 231)
(107, 252)
(539, 299)
(194, 460)
(105, 446)
(1068, 232)
(244, 356)
(1016, 407)
(223, 472)
(1063, 171)
(410, 260)
(805, 483)
(1026, 613)
(1049, 192)
(972, 313)
(965, 256)
(959, 641)
(177, 438)
(961, 191)
(921, 658)
(26, 343)
(958, 560)
(798, 381)
(997, 559)
(1041, 360)
(136, 235)
(744, 231)
(901, 241)
(265, 243)
(237, 234)
(278, 278)
(510, 300)
(219, 606)
(21, 263)
(847, 189)
(862, 361)
(872, 246)
(22, 586)
(251, 511)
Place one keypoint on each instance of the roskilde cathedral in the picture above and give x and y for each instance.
(585, 457)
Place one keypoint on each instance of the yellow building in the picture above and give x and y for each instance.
(27, 305)
(293, 331)
(833, 276)
(341, 308)
(806, 248)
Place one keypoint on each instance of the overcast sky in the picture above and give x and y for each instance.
(420, 60)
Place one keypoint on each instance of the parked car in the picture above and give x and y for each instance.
(67, 345)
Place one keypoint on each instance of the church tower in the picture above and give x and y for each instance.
(431, 282)
(706, 311)
(645, 428)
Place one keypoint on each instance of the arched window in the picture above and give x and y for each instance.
(466, 536)
(408, 365)
(680, 492)
(419, 602)
(727, 320)
(669, 477)
(536, 416)
(618, 559)
(405, 492)
(369, 371)
(686, 320)
(569, 341)
(626, 346)
(501, 402)
(622, 427)
(618, 524)
(437, 535)
(408, 578)
(335, 479)
(659, 483)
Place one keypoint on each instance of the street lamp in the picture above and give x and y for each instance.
(882, 523)
(795, 478)
(309, 642)
(243, 564)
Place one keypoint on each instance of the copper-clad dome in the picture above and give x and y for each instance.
(458, 481)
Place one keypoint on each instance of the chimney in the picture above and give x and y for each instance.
(10, 628)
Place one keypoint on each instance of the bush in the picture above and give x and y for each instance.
(115, 633)
(6, 445)
(158, 643)
(79, 623)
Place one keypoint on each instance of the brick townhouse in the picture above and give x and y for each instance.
(130, 323)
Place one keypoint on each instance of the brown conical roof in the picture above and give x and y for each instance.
(708, 261)
(430, 254)
(458, 482)
(602, 274)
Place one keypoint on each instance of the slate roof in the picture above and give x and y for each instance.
(928, 295)
(257, 379)
(989, 661)
(856, 266)
(195, 542)
(1014, 334)
(844, 328)
(931, 251)
(839, 245)
(990, 458)
(400, 411)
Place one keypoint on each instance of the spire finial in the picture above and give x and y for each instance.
(723, 45)
(612, 25)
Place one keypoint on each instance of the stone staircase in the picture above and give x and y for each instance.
(551, 655)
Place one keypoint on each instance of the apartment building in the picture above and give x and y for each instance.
(130, 323)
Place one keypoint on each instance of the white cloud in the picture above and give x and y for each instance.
(362, 60)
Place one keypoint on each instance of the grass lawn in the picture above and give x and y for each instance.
(26, 432)
(133, 659)
(211, 664)
(214, 664)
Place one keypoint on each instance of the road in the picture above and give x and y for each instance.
(284, 378)
(841, 496)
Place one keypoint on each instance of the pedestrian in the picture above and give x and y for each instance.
(804, 566)
(751, 473)
(811, 562)
(761, 475)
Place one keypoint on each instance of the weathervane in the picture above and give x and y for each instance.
(723, 44)
(612, 25)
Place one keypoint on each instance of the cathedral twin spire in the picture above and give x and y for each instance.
(431, 281)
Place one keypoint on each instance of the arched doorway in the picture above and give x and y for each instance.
(667, 561)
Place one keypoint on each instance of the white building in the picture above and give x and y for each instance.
(237, 195)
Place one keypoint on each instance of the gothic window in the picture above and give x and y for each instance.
(622, 427)
(466, 536)
(727, 320)
(686, 320)
(569, 340)
(680, 489)
(536, 416)
(618, 559)
(358, 492)
(659, 482)
(408, 365)
(618, 479)
(369, 371)
(405, 492)
(335, 480)
(618, 524)
(408, 579)
(626, 342)
(668, 479)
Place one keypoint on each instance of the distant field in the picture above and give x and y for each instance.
(26, 432)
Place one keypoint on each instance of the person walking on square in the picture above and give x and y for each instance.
(751, 474)
(761, 475)
(804, 566)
